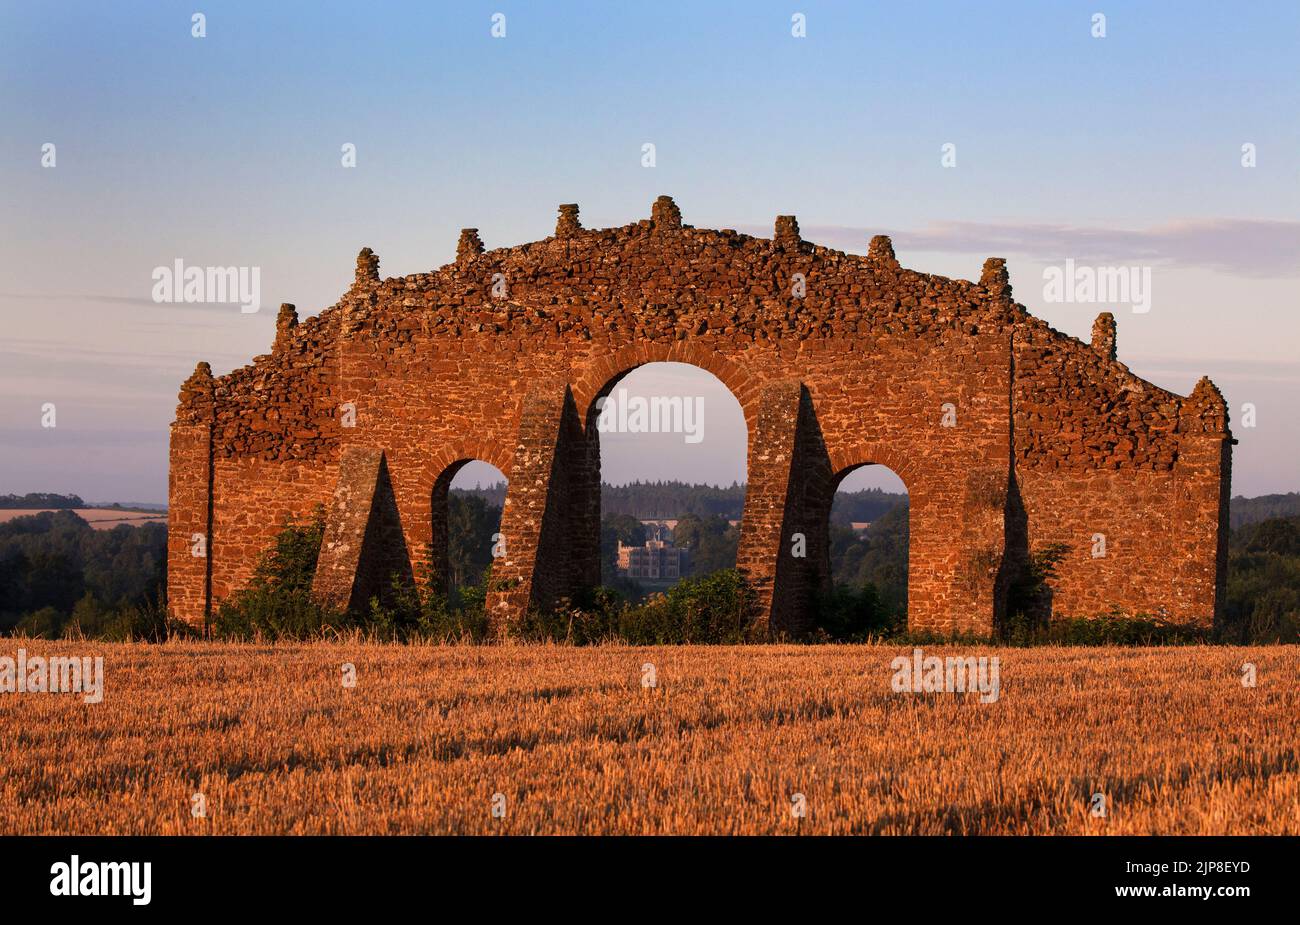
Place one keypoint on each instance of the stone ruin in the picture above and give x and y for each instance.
(1010, 436)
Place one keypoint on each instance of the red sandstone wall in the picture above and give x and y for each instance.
(438, 368)
(253, 500)
(1100, 451)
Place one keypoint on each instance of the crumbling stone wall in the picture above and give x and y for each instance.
(1008, 435)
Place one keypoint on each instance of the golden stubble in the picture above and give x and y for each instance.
(573, 742)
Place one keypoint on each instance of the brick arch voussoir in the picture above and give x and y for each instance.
(846, 458)
(601, 374)
(462, 451)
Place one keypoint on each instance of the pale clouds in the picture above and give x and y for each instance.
(1237, 247)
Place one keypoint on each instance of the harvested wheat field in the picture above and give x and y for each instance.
(574, 743)
(98, 518)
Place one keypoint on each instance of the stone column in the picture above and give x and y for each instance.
(189, 503)
(363, 553)
(540, 516)
(1204, 474)
(1103, 336)
(784, 533)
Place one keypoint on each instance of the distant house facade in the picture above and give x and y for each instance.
(657, 560)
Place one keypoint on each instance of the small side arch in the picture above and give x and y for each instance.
(428, 526)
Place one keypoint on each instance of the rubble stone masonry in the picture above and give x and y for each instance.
(1009, 436)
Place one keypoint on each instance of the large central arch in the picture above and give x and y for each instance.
(1008, 434)
(666, 422)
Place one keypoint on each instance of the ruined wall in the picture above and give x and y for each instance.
(1128, 477)
(837, 360)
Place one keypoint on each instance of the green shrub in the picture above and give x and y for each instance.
(1111, 629)
(845, 614)
(715, 608)
(277, 603)
(46, 623)
(1262, 599)
(460, 617)
(146, 621)
(1028, 605)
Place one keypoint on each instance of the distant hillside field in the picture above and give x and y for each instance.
(98, 518)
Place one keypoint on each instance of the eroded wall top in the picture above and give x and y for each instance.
(583, 293)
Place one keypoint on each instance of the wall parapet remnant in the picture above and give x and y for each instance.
(949, 382)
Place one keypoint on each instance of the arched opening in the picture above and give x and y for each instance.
(467, 501)
(868, 544)
(670, 443)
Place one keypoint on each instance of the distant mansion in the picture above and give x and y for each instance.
(657, 560)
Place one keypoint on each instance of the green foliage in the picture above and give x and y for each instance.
(471, 522)
(589, 619)
(1028, 605)
(461, 620)
(146, 621)
(40, 499)
(1279, 536)
(54, 562)
(663, 500)
(615, 529)
(1263, 594)
(845, 614)
(877, 559)
(866, 506)
(1113, 629)
(46, 623)
(423, 614)
(713, 608)
(711, 540)
(277, 603)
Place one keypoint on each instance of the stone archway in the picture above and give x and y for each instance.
(835, 358)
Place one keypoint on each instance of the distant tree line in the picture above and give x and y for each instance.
(665, 500)
(671, 499)
(40, 500)
(1243, 511)
(60, 577)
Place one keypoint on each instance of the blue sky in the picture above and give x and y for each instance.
(225, 150)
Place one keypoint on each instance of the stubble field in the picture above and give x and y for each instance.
(557, 740)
